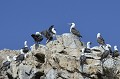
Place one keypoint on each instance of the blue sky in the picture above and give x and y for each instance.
(20, 18)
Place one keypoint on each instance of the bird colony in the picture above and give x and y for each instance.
(101, 55)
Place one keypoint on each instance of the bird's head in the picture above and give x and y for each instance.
(108, 45)
(54, 31)
(72, 25)
(98, 35)
(38, 33)
(14, 58)
(115, 48)
(88, 44)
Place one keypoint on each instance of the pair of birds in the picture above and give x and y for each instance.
(48, 34)
(23, 53)
(19, 58)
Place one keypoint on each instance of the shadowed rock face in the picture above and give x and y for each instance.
(60, 59)
(40, 57)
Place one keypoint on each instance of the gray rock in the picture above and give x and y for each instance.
(52, 74)
(109, 63)
(60, 59)
(24, 71)
(64, 74)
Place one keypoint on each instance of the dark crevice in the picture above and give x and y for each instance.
(38, 75)
(63, 52)
(40, 57)
(9, 76)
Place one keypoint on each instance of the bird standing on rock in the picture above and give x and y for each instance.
(25, 48)
(52, 30)
(6, 64)
(20, 57)
(100, 39)
(87, 49)
(73, 30)
(82, 60)
(47, 35)
(37, 37)
(105, 53)
(115, 52)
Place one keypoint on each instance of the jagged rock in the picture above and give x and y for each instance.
(71, 41)
(67, 62)
(64, 74)
(24, 71)
(109, 63)
(52, 74)
(60, 59)
(14, 70)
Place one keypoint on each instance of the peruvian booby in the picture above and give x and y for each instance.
(37, 37)
(20, 57)
(25, 48)
(115, 52)
(87, 49)
(105, 53)
(6, 64)
(74, 31)
(52, 30)
(110, 49)
(47, 35)
(100, 39)
(88, 44)
(82, 60)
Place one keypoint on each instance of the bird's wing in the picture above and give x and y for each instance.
(33, 35)
(75, 32)
(39, 37)
(100, 40)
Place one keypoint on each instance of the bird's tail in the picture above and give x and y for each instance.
(82, 68)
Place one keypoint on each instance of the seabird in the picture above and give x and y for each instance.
(87, 49)
(20, 57)
(74, 31)
(47, 35)
(52, 30)
(6, 64)
(109, 47)
(25, 48)
(37, 37)
(82, 60)
(105, 53)
(100, 39)
(88, 44)
(115, 52)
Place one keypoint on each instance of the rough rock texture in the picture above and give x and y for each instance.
(59, 59)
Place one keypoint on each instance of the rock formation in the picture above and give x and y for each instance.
(60, 59)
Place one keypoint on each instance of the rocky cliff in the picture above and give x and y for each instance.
(60, 59)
